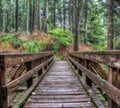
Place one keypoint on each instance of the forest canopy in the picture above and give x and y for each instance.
(95, 23)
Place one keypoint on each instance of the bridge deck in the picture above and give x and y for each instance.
(59, 88)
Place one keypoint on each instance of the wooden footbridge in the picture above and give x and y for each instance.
(84, 80)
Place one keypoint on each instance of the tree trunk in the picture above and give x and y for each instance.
(27, 16)
(70, 16)
(16, 16)
(75, 30)
(85, 22)
(54, 13)
(7, 22)
(111, 24)
(0, 16)
(39, 15)
(33, 15)
(46, 16)
(30, 16)
(64, 14)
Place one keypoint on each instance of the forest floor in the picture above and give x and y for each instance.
(11, 44)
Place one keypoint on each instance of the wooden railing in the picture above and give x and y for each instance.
(94, 66)
(29, 66)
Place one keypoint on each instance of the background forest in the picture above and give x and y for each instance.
(39, 25)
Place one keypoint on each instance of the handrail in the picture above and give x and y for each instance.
(110, 58)
(13, 59)
(30, 65)
(27, 75)
(89, 63)
(110, 90)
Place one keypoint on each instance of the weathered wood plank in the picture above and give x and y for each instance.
(60, 105)
(59, 93)
(18, 72)
(27, 75)
(109, 89)
(3, 92)
(59, 96)
(63, 88)
(110, 58)
(29, 91)
(82, 100)
(14, 59)
(97, 101)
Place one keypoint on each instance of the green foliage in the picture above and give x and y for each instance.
(12, 39)
(33, 46)
(96, 29)
(61, 38)
(99, 47)
(117, 44)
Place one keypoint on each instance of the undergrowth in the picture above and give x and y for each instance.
(11, 39)
(61, 38)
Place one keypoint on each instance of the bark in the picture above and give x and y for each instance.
(0, 15)
(85, 22)
(7, 22)
(33, 15)
(16, 16)
(54, 13)
(39, 15)
(46, 16)
(111, 24)
(27, 16)
(30, 16)
(70, 16)
(75, 30)
(64, 14)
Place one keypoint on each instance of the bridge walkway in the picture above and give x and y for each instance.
(60, 88)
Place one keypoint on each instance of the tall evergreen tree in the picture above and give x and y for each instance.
(0, 15)
(46, 16)
(111, 24)
(75, 30)
(16, 16)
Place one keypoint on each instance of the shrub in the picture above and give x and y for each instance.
(117, 44)
(61, 38)
(33, 46)
(12, 39)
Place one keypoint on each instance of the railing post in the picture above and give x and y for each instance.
(40, 72)
(112, 80)
(88, 66)
(79, 71)
(45, 67)
(29, 81)
(3, 91)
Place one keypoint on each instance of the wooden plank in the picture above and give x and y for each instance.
(97, 102)
(30, 80)
(100, 71)
(27, 75)
(61, 87)
(29, 91)
(81, 100)
(59, 96)
(60, 105)
(14, 59)
(3, 91)
(110, 58)
(59, 90)
(18, 72)
(109, 89)
(59, 93)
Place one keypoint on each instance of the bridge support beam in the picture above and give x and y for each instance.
(88, 66)
(29, 81)
(3, 91)
(113, 75)
(40, 72)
